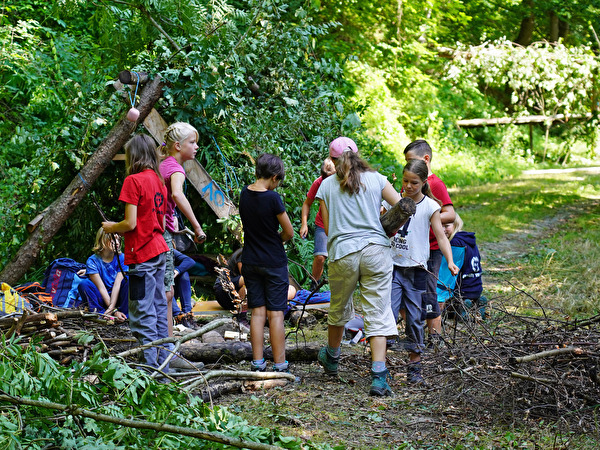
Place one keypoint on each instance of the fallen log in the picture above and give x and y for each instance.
(395, 217)
(236, 351)
(474, 123)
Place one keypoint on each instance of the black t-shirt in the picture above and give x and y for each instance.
(262, 243)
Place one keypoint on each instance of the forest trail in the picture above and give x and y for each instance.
(499, 257)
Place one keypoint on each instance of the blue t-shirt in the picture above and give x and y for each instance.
(107, 271)
(262, 243)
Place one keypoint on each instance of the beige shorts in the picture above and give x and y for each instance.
(372, 269)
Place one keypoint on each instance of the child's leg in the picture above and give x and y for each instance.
(277, 335)
(142, 308)
(91, 295)
(413, 281)
(375, 293)
(257, 331)
(161, 310)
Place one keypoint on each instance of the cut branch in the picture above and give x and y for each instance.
(141, 424)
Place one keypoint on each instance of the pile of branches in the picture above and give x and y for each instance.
(517, 367)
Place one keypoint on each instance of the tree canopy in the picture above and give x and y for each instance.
(284, 77)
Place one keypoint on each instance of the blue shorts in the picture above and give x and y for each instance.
(266, 286)
(408, 287)
(431, 307)
(320, 242)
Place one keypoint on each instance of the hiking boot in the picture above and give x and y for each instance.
(258, 368)
(329, 363)
(179, 318)
(379, 384)
(414, 373)
(185, 365)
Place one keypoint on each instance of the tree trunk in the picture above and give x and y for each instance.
(526, 31)
(553, 37)
(60, 210)
(236, 351)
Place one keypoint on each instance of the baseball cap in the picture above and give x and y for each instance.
(341, 145)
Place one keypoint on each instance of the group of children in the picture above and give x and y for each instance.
(392, 283)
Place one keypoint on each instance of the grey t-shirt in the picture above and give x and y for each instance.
(353, 218)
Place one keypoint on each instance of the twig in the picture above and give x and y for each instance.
(547, 353)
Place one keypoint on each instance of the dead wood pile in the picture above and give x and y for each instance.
(515, 367)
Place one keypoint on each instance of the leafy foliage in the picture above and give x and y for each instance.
(106, 386)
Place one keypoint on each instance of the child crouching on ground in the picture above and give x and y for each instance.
(145, 195)
(105, 291)
(264, 261)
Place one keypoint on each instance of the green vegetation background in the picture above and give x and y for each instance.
(287, 78)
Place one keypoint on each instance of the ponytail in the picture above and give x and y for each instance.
(349, 167)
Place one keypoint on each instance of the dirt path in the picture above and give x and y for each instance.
(341, 413)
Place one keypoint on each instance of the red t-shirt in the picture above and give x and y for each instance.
(438, 188)
(146, 191)
(312, 193)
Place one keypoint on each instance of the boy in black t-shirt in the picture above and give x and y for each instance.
(264, 261)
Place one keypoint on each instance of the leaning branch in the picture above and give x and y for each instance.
(139, 424)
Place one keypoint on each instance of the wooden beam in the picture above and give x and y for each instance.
(524, 120)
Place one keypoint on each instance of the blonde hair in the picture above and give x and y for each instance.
(458, 226)
(103, 240)
(177, 132)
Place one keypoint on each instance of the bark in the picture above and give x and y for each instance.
(553, 27)
(393, 219)
(474, 123)
(527, 24)
(237, 351)
(60, 210)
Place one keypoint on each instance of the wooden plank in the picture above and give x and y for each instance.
(156, 126)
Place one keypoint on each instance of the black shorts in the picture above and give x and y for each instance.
(266, 286)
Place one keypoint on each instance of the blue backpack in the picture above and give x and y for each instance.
(61, 281)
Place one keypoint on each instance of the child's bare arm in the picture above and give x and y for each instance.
(184, 206)
(287, 231)
(443, 242)
(324, 216)
(305, 213)
(125, 225)
(389, 194)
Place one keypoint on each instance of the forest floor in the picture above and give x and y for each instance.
(475, 395)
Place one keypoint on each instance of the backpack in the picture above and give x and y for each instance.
(61, 281)
(35, 294)
(11, 302)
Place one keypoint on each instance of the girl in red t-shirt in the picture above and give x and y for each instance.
(144, 194)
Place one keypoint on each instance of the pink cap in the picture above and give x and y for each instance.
(341, 145)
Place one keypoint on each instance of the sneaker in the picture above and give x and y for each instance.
(258, 368)
(285, 368)
(329, 363)
(414, 373)
(379, 384)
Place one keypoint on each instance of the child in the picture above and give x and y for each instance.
(410, 252)
(264, 261)
(467, 287)
(144, 195)
(183, 290)
(420, 149)
(105, 291)
(181, 143)
(358, 251)
(320, 250)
